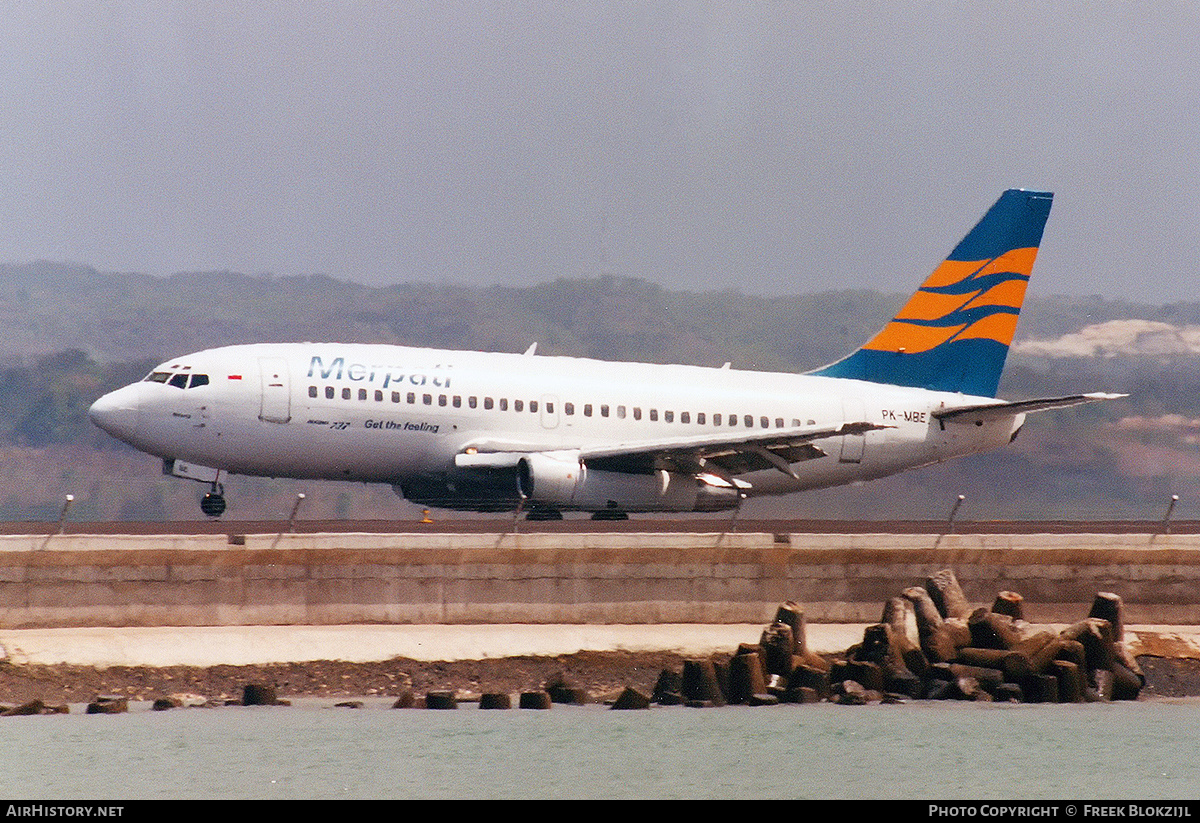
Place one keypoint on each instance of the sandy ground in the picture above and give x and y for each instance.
(256, 645)
(75, 665)
(203, 646)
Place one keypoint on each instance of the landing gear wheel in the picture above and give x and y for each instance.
(213, 504)
(543, 514)
(610, 514)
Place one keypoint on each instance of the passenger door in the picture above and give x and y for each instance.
(276, 390)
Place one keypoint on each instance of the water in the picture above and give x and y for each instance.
(1143, 750)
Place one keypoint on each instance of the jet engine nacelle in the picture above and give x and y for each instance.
(561, 480)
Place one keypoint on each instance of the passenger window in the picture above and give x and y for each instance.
(329, 392)
(637, 412)
(654, 414)
(345, 394)
(378, 396)
(779, 422)
(764, 422)
(518, 405)
(472, 401)
(179, 381)
(549, 408)
(717, 419)
(685, 417)
(457, 402)
(533, 405)
(441, 399)
(795, 422)
(569, 408)
(488, 403)
(700, 418)
(395, 397)
(733, 419)
(620, 412)
(198, 380)
(412, 397)
(749, 421)
(427, 399)
(603, 410)
(587, 409)
(312, 391)
(362, 394)
(668, 417)
(503, 404)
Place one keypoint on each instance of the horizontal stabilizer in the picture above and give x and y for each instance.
(992, 411)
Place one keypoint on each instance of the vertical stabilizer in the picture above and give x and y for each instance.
(954, 333)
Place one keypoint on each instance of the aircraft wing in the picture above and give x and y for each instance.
(724, 454)
(992, 411)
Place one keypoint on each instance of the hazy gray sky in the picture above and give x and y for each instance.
(773, 147)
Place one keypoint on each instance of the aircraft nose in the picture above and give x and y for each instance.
(117, 412)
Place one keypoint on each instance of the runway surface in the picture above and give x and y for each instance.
(573, 525)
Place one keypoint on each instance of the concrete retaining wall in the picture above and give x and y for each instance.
(329, 579)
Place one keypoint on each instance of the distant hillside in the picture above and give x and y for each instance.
(69, 333)
(47, 308)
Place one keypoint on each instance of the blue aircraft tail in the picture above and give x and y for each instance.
(954, 333)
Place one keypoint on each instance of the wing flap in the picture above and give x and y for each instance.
(728, 443)
(724, 454)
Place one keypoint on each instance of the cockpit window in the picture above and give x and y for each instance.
(179, 380)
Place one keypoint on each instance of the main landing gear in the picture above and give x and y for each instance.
(213, 502)
(542, 513)
(610, 513)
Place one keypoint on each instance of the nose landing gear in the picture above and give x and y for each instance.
(213, 502)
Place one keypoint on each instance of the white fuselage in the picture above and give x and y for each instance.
(399, 415)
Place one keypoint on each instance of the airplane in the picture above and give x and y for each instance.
(486, 431)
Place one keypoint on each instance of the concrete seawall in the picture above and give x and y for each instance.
(615, 578)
